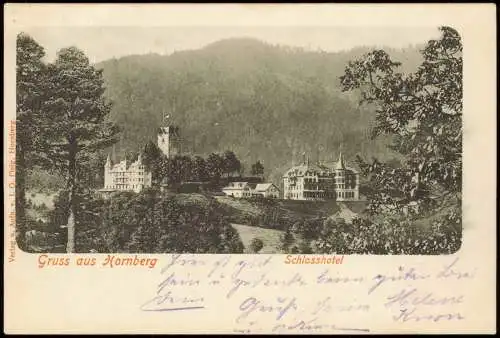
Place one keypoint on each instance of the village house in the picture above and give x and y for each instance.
(268, 190)
(247, 189)
(238, 189)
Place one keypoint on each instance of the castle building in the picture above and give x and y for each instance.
(126, 176)
(169, 140)
(321, 182)
(133, 176)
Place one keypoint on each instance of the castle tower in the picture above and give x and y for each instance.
(108, 162)
(107, 175)
(169, 140)
(340, 163)
(340, 178)
(169, 137)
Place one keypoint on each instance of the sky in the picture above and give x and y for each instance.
(102, 43)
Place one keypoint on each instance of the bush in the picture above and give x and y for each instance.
(305, 247)
(256, 245)
(390, 237)
(308, 229)
(287, 240)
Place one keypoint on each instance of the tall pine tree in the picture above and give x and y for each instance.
(30, 74)
(77, 112)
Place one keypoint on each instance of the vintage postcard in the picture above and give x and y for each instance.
(282, 169)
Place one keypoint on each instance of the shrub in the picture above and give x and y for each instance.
(256, 245)
(388, 237)
(287, 240)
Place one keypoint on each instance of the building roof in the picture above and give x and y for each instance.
(345, 213)
(236, 185)
(171, 129)
(340, 165)
(263, 186)
(318, 168)
(302, 169)
(124, 163)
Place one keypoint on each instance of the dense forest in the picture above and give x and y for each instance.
(264, 102)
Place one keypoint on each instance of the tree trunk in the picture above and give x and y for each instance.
(20, 197)
(70, 246)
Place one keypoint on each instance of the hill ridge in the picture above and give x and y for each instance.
(264, 103)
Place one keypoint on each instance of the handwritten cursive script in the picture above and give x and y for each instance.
(261, 299)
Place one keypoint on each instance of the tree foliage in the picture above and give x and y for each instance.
(257, 169)
(152, 157)
(231, 163)
(422, 113)
(256, 245)
(75, 123)
(185, 168)
(287, 239)
(30, 78)
(150, 223)
(391, 236)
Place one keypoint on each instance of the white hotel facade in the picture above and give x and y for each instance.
(320, 182)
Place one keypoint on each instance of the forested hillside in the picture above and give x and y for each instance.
(263, 102)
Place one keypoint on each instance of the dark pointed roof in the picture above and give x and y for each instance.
(340, 163)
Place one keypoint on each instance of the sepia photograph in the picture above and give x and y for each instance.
(292, 140)
(249, 168)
